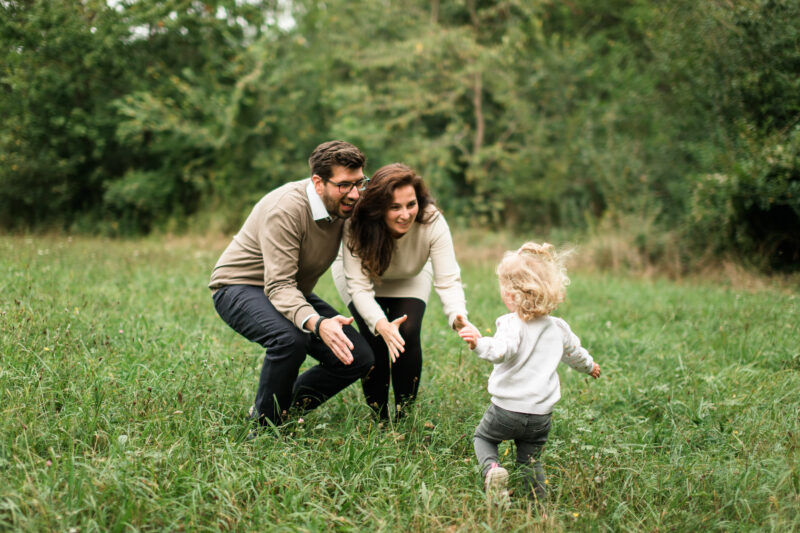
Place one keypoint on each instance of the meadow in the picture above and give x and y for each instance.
(123, 399)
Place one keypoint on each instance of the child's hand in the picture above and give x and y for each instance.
(470, 334)
(595, 373)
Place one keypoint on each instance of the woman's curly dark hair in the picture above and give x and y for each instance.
(370, 238)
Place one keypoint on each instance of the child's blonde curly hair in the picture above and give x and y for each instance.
(535, 278)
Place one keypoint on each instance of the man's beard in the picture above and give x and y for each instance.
(334, 207)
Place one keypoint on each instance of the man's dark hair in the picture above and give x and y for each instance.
(333, 153)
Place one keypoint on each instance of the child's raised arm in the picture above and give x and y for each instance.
(576, 355)
(505, 341)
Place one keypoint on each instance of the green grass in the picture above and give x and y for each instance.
(123, 395)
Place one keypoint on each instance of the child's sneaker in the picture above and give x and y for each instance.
(495, 483)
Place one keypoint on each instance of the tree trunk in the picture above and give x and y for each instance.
(477, 89)
(477, 102)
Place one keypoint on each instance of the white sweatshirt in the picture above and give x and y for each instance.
(525, 355)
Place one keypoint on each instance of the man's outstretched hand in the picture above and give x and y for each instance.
(331, 333)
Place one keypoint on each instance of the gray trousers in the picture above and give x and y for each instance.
(529, 433)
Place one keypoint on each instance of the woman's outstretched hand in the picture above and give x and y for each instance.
(390, 331)
(460, 322)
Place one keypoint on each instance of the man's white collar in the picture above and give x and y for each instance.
(318, 210)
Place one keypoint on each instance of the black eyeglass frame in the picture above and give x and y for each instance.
(346, 187)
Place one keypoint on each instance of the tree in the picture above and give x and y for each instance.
(63, 65)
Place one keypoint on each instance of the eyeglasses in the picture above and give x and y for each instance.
(346, 186)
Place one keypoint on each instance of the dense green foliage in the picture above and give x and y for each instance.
(68, 155)
(520, 114)
(124, 399)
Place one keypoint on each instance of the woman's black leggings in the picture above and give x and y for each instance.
(406, 371)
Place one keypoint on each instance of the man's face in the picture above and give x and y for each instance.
(336, 202)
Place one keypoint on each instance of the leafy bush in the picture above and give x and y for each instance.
(66, 66)
(63, 63)
(754, 212)
(142, 199)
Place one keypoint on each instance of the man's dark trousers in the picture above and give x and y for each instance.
(247, 310)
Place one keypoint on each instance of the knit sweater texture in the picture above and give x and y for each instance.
(282, 248)
(525, 357)
(424, 254)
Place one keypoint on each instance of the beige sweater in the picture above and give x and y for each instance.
(423, 254)
(282, 248)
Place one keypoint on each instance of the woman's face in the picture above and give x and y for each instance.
(402, 211)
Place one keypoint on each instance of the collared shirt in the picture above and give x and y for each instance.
(318, 210)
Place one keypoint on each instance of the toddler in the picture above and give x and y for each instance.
(525, 350)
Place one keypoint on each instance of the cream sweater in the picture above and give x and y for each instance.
(423, 254)
(525, 357)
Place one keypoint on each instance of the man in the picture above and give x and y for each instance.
(264, 279)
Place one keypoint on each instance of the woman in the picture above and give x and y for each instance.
(395, 243)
